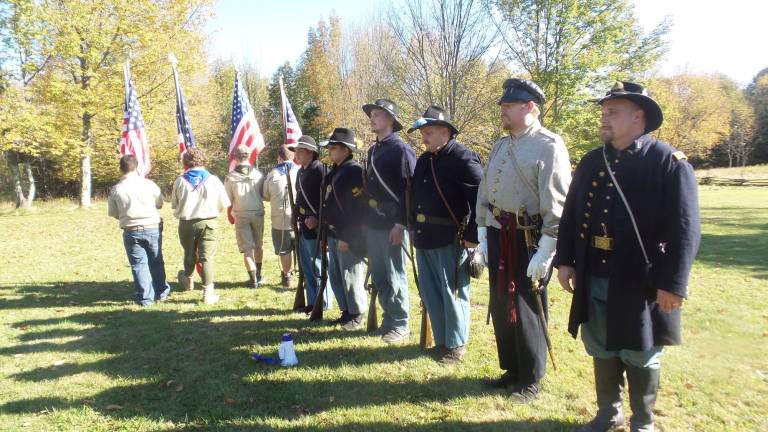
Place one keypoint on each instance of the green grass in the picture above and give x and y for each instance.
(72, 346)
(749, 172)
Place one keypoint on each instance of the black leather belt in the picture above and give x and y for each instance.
(433, 220)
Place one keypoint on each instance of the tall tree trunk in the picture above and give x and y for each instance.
(85, 162)
(23, 200)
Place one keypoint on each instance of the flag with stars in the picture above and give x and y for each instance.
(133, 139)
(185, 138)
(245, 129)
(292, 128)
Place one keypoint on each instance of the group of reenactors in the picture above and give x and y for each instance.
(622, 230)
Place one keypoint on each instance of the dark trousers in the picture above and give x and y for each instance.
(521, 346)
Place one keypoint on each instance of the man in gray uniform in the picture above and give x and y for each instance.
(528, 173)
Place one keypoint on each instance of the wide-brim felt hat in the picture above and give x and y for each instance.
(434, 116)
(638, 95)
(388, 106)
(342, 136)
(305, 142)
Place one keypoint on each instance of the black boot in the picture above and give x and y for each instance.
(253, 279)
(643, 387)
(609, 384)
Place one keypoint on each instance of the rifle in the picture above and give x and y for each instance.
(322, 248)
(529, 229)
(373, 321)
(425, 333)
(299, 301)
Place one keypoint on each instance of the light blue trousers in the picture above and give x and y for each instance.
(594, 332)
(311, 268)
(448, 309)
(346, 271)
(387, 265)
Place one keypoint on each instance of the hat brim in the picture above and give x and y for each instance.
(430, 122)
(352, 147)
(302, 145)
(653, 115)
(367, 108)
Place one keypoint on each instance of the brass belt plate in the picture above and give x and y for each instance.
(602, 242)
(372, 203)
(421, 218)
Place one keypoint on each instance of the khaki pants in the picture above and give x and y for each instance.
(198, 238)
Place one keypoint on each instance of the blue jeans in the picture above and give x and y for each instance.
(145, 254)
(593, 332)
(448, 312)
(311, 268)
(387, 266)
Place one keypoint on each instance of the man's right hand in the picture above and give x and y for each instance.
(311, 222)
(567, 277)
(230, 217)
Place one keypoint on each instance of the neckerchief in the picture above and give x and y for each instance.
(196, 176)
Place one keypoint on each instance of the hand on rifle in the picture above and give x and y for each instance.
(229, 215)
(396, 235)
(311, 222)
(343, 246)
(567, 277)
(541, 260)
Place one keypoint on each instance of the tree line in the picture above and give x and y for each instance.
(61, 89)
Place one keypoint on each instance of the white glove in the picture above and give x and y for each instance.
(482, 245)
(537, 268)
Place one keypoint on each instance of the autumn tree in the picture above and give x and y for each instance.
(574, 50)
(757, 93)
(87, 43)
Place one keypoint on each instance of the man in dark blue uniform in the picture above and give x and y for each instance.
(308, 184)
(445, 184)
(343, 205)
(628, 237)
(390, 162)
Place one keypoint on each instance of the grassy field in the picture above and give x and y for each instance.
(76, 355)
(749, 172)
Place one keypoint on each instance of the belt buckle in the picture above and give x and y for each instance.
(496, 212)
(421, 218)
(372, 203)
(301, 210)
(602, 242)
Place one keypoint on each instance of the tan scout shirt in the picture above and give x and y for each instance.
(244, 191)
(275, 191)
(544, 164)
(205, 202)
(134, 201)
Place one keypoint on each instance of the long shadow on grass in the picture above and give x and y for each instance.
(195, 364)
(744, 250)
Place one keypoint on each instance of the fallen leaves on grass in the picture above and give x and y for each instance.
(113, 407)
(230, 401)
(300, 410)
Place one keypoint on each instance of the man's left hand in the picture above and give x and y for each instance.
(343, 246)
(668, 301)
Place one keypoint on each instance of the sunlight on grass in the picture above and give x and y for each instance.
(76, 355)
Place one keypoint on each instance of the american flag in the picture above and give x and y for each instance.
(133, 138)
(185, 139)
(292, 128)
(245, 128)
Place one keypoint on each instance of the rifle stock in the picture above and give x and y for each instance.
(373, 320)
(425, 333)
(322, 246)
(299, 300)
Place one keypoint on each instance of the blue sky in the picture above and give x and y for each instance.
(706, 37)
